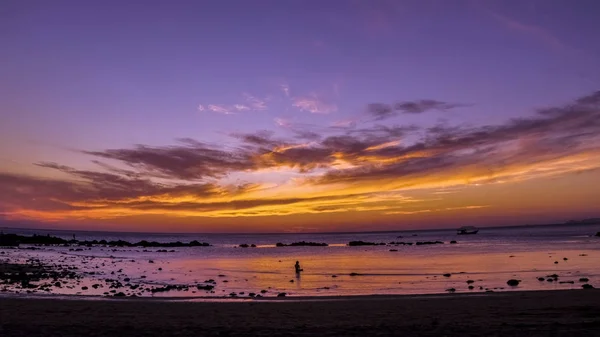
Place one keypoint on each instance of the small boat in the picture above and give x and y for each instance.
(467, 230)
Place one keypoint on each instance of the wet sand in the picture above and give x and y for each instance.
(540, 313)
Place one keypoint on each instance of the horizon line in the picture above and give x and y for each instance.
(575, 222)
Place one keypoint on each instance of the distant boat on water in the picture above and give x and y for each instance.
(467, 230)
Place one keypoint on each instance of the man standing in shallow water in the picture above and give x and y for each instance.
(297, 266)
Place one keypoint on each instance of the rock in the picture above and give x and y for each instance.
(301, 244)
(292, 281)
(120, 294)
(150, 261)
(587, 286)
(541, 279)
(84, 288)
(393, 250)
(354, 274)
(205, 287)
(565, 259)
(513, 282)
(333, 275)
(364, 243)
(420, 243)
(598, 234)
(450, 290)
(263, 291)
(453, 242)
(126, 279)
(470, 281)
(159, 268)
(447, 275)
(549, 280)
(57, 284)
(244, 245)
(281, 295)
(471, 287)
(565, 282)
(584, 279)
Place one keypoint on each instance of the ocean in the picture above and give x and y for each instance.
(488, 259)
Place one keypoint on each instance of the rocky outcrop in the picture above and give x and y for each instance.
(14, 239)
(301, 244)
(364, 243)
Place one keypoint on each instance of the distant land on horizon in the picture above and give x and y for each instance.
(587, 221)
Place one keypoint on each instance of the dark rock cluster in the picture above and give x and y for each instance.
(302, 243)
(15, 240)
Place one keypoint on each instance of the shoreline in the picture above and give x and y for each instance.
(518, 313)
(229, 299)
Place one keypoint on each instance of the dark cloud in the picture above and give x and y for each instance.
(306, 135)
(552, 134)
(191, 160)
(261, 138)
(89, 186)
(136, 177)
(381, 111)
(559, 128)
(420, 106)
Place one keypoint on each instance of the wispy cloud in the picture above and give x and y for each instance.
(219, 109)
(536, 32)
(254, 102)
(251, 103)
(314, 104)
(285, 89)
(282, 122)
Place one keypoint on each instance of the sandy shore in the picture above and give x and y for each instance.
(543, 313)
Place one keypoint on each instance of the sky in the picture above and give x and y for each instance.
(298, 116)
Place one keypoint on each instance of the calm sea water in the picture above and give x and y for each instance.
(489, 258)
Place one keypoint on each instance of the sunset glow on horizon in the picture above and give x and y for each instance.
(193, 117)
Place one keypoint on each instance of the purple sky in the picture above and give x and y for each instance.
(96, 75)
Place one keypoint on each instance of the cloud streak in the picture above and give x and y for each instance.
(251, 103)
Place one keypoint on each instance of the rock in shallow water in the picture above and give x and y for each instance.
(513, 282)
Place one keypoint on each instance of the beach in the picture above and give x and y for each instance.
(542, 258)
(534, 313)
(503, 282)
